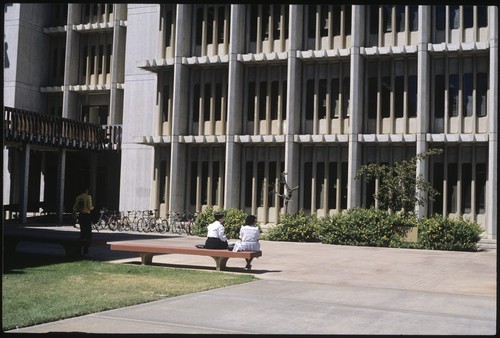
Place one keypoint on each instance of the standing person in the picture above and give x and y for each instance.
(216, 238)
(83, 206)
(249, 235)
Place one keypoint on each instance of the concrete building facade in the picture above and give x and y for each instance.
(219, 103)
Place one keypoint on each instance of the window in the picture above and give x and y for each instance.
(482, 16)
(387, 18)
(412, 96)
(454, 17)
(248, 183)
(466, 188)
(438, 179)
(372, 97)
(440, 17)
(322, 99)
(481, 178)
(481, 89)
(413, 18)
(310, 99)
(452, 188)
(386, 96)
(320, 184)
(439, 95)
(251, 101)
(332, 186)
(467, 94)
(453, 95)
(334, 98)
(399, 96)
(468, 16)
(400, 18)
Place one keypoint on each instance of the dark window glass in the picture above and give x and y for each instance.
(399, 96)
(452, 188)
(84, 62)
(467, 94)
(272, 184)
(221, 18)
(206, 102)
(260, 183)
(468, 16)
(307, 185)
(412, 96)
(481, 178)
(108, 58)
(265, 22)
(386, 96)
(400, 18)
(346, 96)
(439, 98)
(332, 185)
(218, 101)
(215, 181)
(196, 102)
(334, 98)
(163, 173)
(165, 98)
(274, 99)
(387, 18)
(482, 16)
(413, 18)
(204, 182)
(262, 100)
(374, 19)
(481, 89)
(92, 59)
(253, 22)
(372, 97)
(199, 25)
(438, 179)
(310, 99)
(320, 183)
(194, 178)
(311, 28)
(99, 61)
(276, 21)
(453, 95)
(168, 29)
(336, 19)
(210, 25)
(248, 184)
(454, 17)
(251, 101)
(322, 99)
(343, 183)
(348, 19)
(466, 188)
(323, 27)
(285, 26)
(440, 17)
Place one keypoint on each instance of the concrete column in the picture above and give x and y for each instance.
(292, 149)
(117, 67)
(70, 99)
(492, 186)
(178, 152)
(423, 98)
(232, 168)
(61, 173)
(23, 200)
(356, 107)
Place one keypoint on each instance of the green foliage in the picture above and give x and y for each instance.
(365, 227)
(233, 220)
(294, 228)
(400, 189)
(440, 233)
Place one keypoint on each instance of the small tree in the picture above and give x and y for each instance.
(287, 195)
(399, 186)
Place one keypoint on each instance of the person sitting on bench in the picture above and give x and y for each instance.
(249, 235)
(216, 238)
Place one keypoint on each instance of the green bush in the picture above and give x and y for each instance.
(441, 233)
(294, 228)
(233, 220)
(365, 227)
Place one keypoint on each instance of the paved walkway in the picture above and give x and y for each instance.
(312, 288)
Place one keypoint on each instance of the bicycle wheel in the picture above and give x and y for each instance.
(164, 227)
(113, 223)
(141, 224)
(124, 224)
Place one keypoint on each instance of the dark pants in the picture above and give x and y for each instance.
(85, 231)
(215, 243)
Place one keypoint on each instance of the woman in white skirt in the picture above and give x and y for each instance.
(249, 236)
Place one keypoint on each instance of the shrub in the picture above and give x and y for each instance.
(441, 233)
(294, 228)
(365, 227)
(233, 220)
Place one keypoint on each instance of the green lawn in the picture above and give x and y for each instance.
(38, 289)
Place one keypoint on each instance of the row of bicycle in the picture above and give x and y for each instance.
(145, 221)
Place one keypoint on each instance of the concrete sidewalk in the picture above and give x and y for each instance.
(311, 288)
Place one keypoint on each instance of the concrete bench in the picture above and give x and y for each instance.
(148, 250)
(72, 245)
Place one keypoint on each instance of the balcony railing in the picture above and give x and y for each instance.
(28, 127)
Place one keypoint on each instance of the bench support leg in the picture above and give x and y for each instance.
(146, 258)
(249, 265)
(220, 263)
